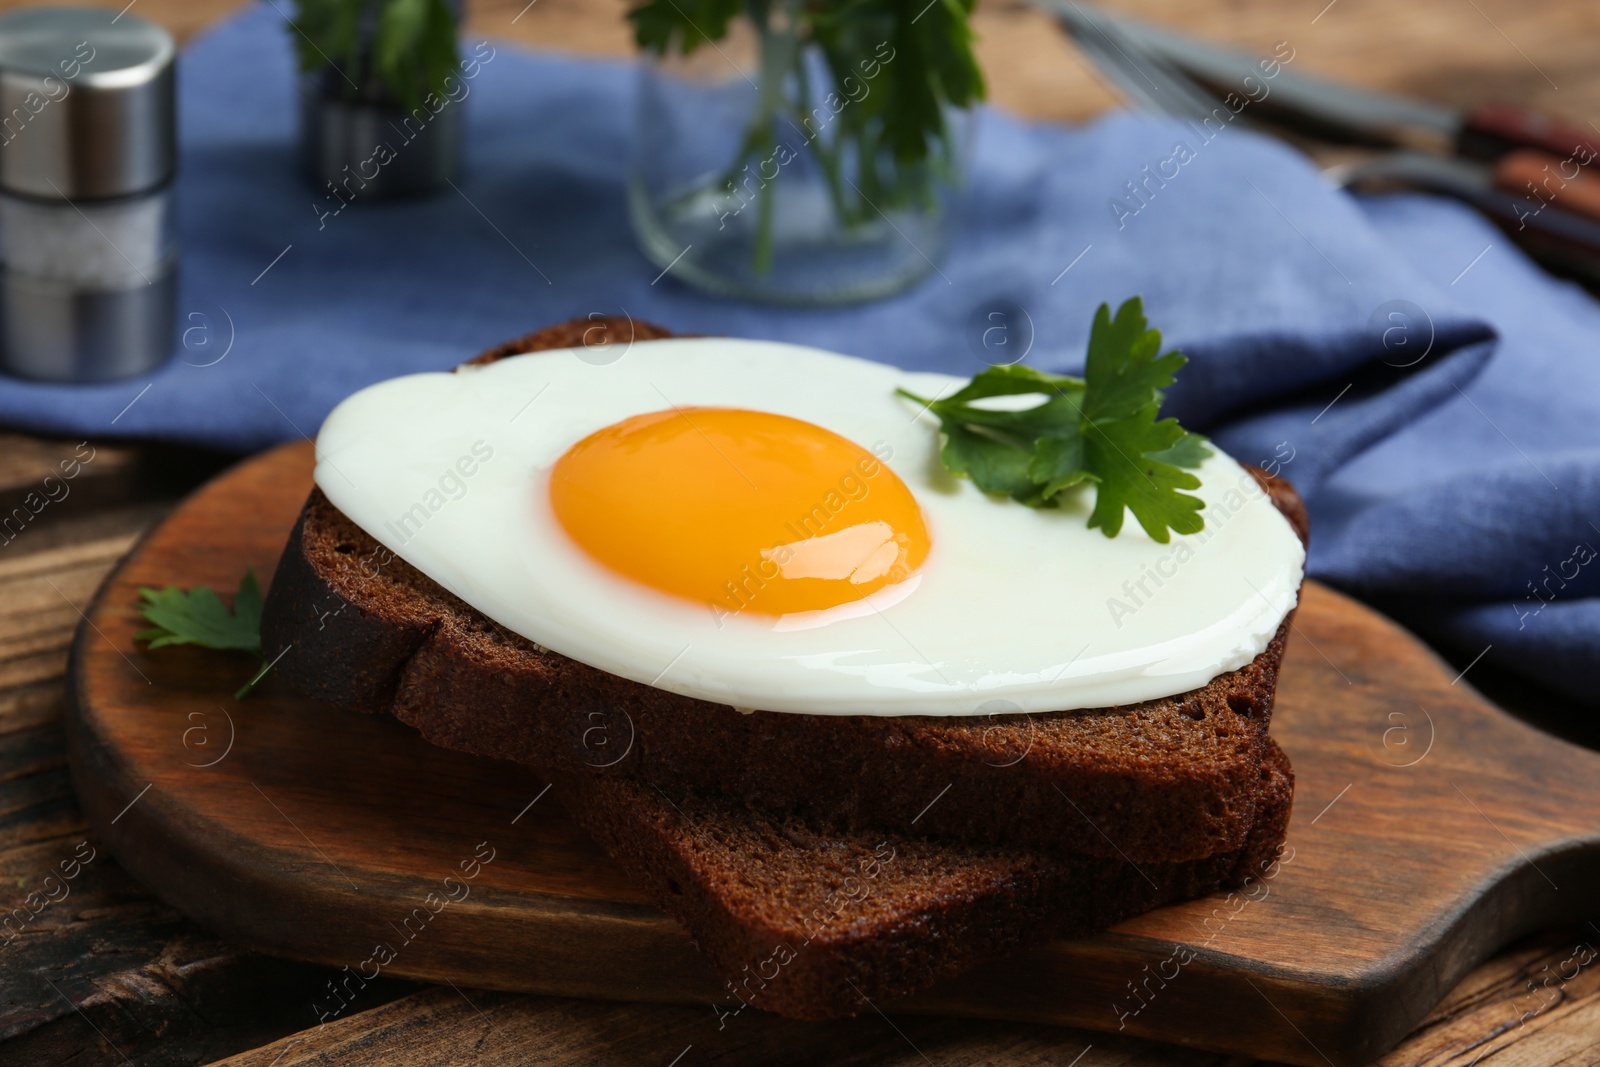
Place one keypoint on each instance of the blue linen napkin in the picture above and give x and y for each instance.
(1246, 259)
(1478, 523)
(1303, 311)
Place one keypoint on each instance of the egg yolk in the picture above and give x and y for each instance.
(744, 511)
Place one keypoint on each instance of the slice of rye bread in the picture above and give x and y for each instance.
(1164, 780)
(811, 922)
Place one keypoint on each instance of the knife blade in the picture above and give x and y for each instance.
(1364, 116)
(1499, 160)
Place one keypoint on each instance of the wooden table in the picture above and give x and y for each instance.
(109, 975)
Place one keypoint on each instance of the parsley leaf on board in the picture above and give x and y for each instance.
(198, 617)
(1102, 429)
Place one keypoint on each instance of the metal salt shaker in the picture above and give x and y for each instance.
(88, 250)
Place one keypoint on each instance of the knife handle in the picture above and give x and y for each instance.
(1492, 130)
(1549, 232)
(1543, 179)
(1550, 226)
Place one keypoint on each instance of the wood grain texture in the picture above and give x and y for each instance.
(93, 968)
(491, 1029)
(1431, 829)
(1539, 55)
(1463, 54)
(171, 995)
(1446, 50)
(1491, 1017)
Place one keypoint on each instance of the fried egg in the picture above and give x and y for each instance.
(768, 526)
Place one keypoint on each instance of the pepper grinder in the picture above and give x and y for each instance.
(88, 250)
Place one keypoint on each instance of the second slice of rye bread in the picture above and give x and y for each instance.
(812, 922)
(1161, 781)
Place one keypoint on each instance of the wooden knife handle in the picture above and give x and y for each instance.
(1548, 232)
(1545, 180)
(1492, 130)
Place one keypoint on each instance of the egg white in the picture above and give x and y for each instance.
(1016, 610)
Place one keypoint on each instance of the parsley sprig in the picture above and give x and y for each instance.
(893, 71)
(408, 46)
(1104, 428)
(198, 617)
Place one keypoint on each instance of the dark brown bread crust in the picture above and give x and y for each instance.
(1158, 781)
(1165, 780)
(592, 332)
(810, 921)
(1161, 780)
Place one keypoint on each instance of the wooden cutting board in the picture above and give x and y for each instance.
(1429, 829)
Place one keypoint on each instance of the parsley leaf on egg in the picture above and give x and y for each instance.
(1103, 429)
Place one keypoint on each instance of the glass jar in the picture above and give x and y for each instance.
(370, 147)
(358, 139)
(761, 171)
